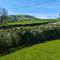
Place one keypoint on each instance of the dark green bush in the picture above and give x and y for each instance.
(26, 37)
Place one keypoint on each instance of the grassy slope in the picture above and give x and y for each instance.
(25, 22)
(44, 51)
(32, 21)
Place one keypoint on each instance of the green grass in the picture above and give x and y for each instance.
(32, 21)
(29, 22)
(25, 22)
(44, 51)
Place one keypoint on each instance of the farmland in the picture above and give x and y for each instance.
(30, 39)
(29, 30)
(23, 23)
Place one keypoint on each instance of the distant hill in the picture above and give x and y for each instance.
(21, 17)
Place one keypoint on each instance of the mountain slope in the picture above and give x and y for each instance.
(21, 17)
(44, 51)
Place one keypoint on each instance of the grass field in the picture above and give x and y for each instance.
(25, 22)
(44, 51)
(33, 21)
(30, 22)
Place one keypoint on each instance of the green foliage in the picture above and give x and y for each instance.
(23, 23)
(24, 37)
(44, 51)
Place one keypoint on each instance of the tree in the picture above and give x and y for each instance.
(3, 15)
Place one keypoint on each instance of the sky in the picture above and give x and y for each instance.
(37, 8)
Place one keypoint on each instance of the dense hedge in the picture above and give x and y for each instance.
(7, 26)
(26, 37)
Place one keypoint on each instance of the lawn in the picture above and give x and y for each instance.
(44, 51)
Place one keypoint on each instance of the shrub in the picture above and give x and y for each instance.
(26, 37)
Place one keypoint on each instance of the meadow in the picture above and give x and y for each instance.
(43, 51)
(24, 23)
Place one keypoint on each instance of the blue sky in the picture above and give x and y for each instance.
(38, 8)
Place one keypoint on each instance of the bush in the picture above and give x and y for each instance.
(26, 37)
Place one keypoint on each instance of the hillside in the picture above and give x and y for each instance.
(21, 17)
(44, 51)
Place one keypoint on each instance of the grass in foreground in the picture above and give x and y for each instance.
(44, 51)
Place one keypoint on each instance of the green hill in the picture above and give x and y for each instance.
(21, 17)
(44, 51)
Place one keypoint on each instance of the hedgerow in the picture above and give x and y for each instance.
(23, 37)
